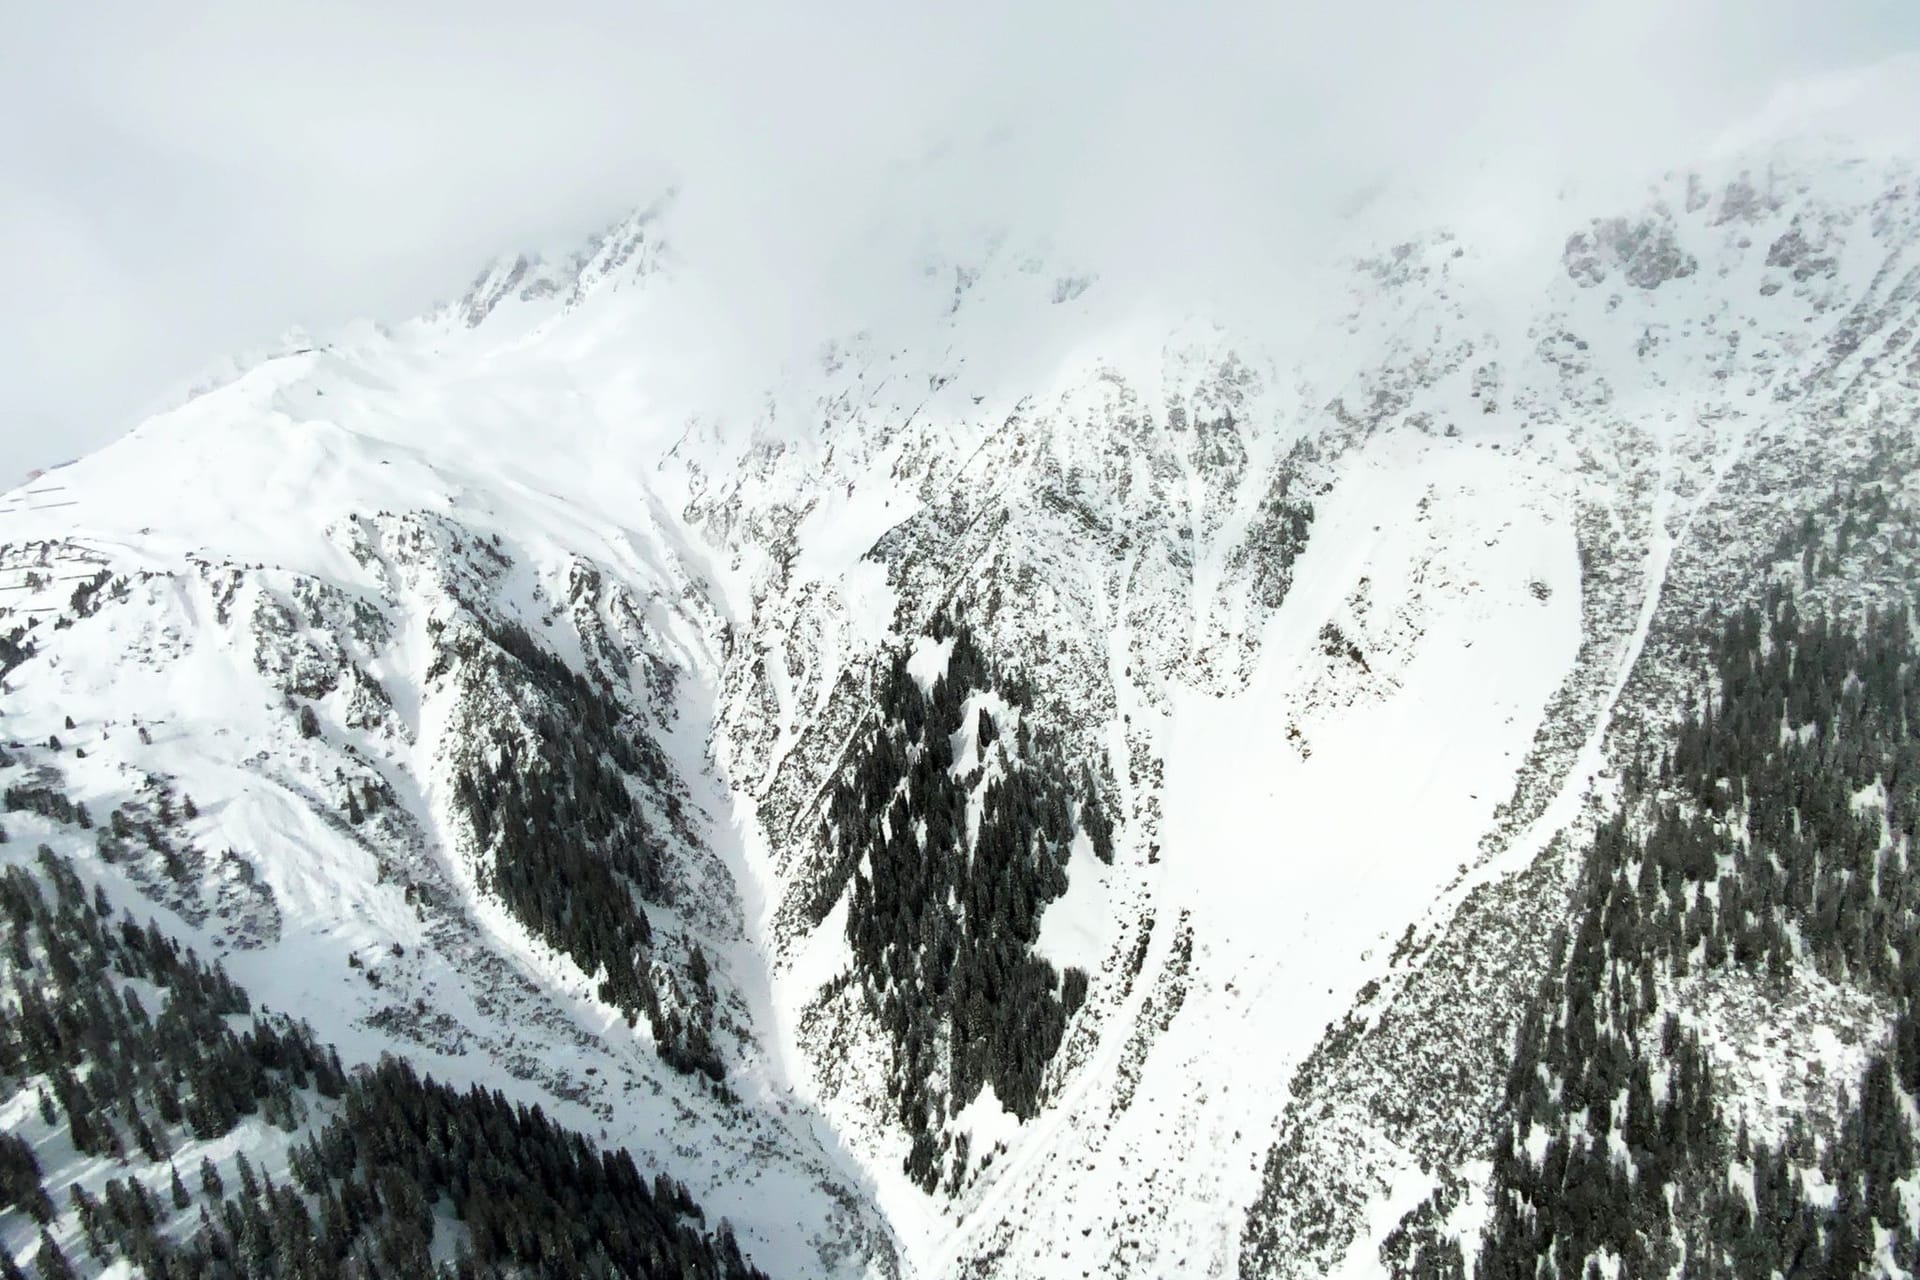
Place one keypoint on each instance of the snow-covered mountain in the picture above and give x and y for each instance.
(978, 815)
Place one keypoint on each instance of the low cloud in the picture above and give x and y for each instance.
(194, 179)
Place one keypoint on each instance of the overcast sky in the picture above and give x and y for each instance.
(187, 180)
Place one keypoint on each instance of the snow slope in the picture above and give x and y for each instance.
(1352, 630)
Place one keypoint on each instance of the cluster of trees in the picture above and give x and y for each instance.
(566, 846)
(369, 1189)
(16, 646)
(534, 1199)
(85, 600)
(125, 1077)
(48, 802)
(1747, 850)
(942, 921)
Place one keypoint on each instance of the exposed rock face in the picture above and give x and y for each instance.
(1646, 253)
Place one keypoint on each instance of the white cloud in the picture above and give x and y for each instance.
(192, 179)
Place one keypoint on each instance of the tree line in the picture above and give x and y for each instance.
(1775, 835)
(942, 918)
(566, 847)
(370, 1189)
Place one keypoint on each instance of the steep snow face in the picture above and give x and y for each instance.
(297, 673)
(1356, 634)
(1435, 612)
(1349, 633)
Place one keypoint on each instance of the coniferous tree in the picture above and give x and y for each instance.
(49, 1261)
(1749, 839)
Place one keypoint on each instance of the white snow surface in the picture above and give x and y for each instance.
(1299, 774)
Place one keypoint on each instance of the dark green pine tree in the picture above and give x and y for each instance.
(50, 1262)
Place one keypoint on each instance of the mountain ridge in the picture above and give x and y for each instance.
(1353, 638)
